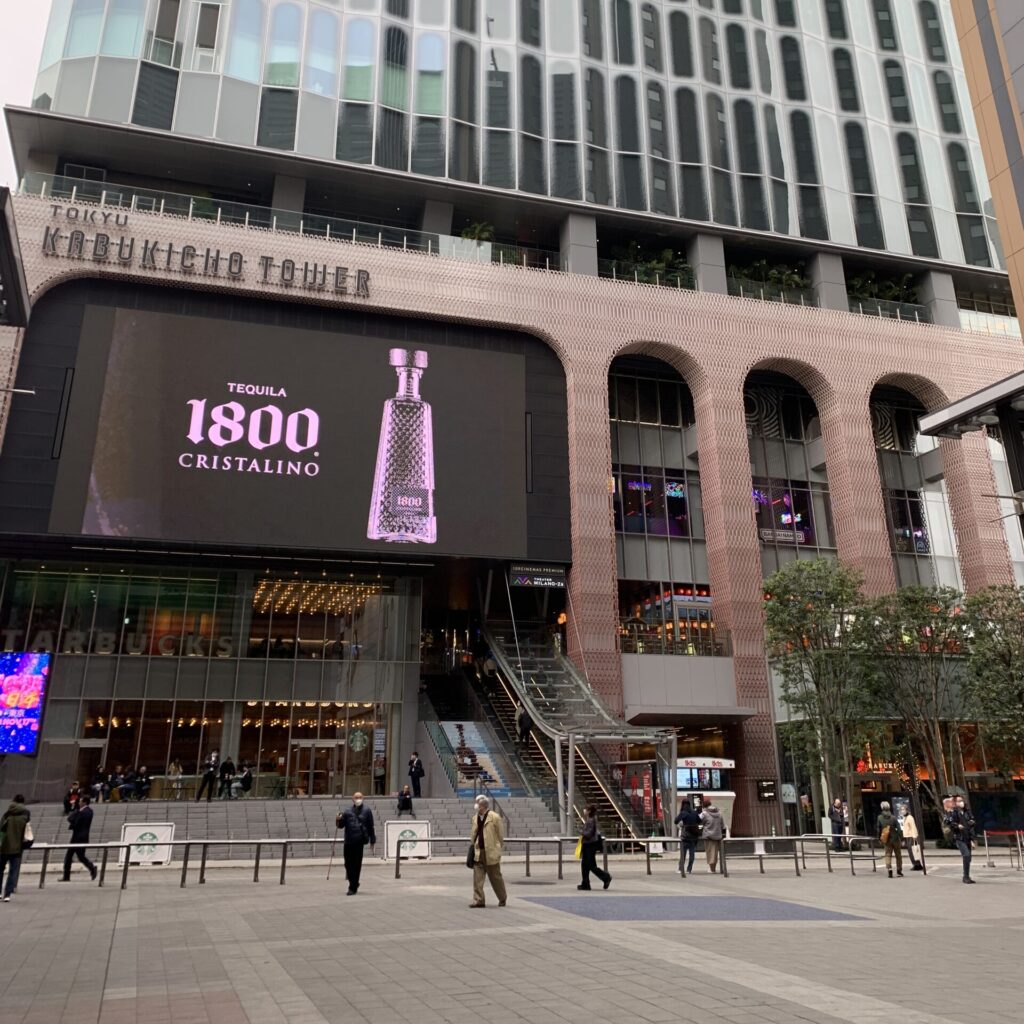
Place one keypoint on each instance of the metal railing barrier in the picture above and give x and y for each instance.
(760, 851)
(1014, 845)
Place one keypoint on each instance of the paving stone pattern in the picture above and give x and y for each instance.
(823, 948)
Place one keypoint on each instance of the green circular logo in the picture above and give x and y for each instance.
(405, 836)
(145, 844)
(357, 741)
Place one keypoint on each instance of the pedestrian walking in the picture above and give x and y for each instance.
(593, 843)
(210, 766)
(356, 824)
(405, 802)
(838, 820)
(524, 725)
(416, 773)
(960, 823)
(688, 822)
(12, 844)
(79, 822)
(713, 831)
(911, 837)
(487, 840)
(887, 828)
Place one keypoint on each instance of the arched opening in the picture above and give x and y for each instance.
(917, 510)
(661, 552)
(789, 485)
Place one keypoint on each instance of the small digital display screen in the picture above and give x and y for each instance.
(23, 679)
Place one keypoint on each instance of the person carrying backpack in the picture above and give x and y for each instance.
(688, 821)
(890, 835)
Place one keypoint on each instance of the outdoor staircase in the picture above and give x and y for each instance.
(295, 819)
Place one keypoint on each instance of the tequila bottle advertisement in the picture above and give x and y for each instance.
(195, 429)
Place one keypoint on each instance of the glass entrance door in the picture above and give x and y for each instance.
(316, 768)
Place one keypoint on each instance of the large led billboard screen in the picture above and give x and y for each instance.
(23, 679)
(193, 429)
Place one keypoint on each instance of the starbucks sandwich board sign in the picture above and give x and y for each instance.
(409, 832)
(149, 841)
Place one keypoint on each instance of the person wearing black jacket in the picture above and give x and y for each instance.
(12, 844)
(416, 773)
(210, 766)
(79, 822)
(227, 773)
(356, 825)
(591, 844)
(960, 823)
(838, 820)
(688, 821)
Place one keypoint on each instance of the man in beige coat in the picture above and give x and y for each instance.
(487, 844)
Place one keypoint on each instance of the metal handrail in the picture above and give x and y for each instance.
(759, 854)
(1018, 836)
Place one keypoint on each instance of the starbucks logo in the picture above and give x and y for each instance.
(145, 844)
(408, 839)
(358, 741)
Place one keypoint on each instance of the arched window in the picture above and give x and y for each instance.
(531, 96)
(792, 68)
(835, 16)
(359, 60)
(650, 26)
(597, 109)
(394, 79)
(915, 195)
(626, 123)
(687, 127)
(846, 81)
(866, 220)
(284, 48)
(622, 29)
(812, 211)
(682, 44)
(430, 74)
(945, 96)
(885, 27)
(748, 151)
(723, 203)
(711, 62)
(593, 36)
(320, 70)
(964, 193)
(529, 22)
(245, 41)
(657, 135)
(764, 64)
(931, 26)
(895, 84)
(464, 86)
(739, 65)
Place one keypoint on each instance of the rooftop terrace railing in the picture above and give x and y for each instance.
(887, 309)
(767, 291)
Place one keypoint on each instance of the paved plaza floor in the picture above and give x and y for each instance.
(743, 950)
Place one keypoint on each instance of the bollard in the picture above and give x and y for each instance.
(103, 865)
(256, 869)
(527, 858)
(796, 861)
(42, 871)
(721, 857)
(559, 845)
(184, 865)
(127, 865)
(284, 859)
(398, 859)
(828, 857)
(853, 870)
(647, 854)
(202, 864)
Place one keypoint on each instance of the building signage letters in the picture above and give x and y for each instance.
(548, 576)
(85, 234)
(706, 762)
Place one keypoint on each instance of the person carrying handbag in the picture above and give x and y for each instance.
(16, 835)
(593, 842)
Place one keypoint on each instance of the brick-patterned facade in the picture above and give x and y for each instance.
(714, 342)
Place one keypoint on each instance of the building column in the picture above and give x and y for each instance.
(980, 537)
(578, 244)
(847, 446)
(436, 218)
(935, 289)
(706, 255)
(737, 587)
(828, 280)
(289, 193)
(593, 596)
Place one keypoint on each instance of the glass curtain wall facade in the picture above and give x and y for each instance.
(916, 502)
(790, 492)
(664, 596)
(844, 120)
(301, 677)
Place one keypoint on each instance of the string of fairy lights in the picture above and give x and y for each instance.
(280, 719)
(313, 597)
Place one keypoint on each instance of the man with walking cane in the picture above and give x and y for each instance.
(356, 825)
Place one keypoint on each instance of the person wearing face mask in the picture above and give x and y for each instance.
(488, 838)
(356, 824)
